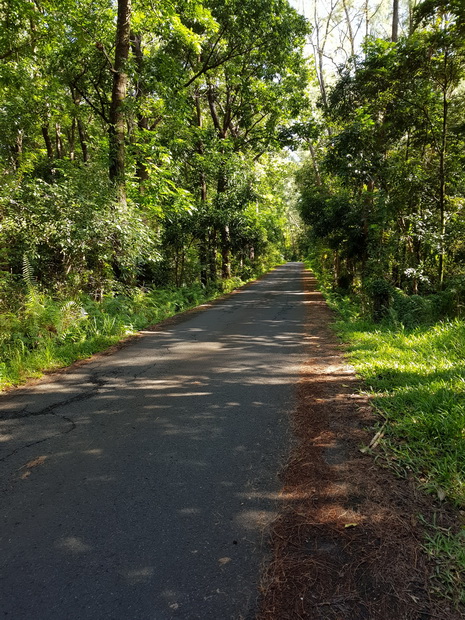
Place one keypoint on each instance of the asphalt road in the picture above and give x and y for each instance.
(139, 485)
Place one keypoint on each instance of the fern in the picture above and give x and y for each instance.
(28, 274)
(34, 302)
(70, 314)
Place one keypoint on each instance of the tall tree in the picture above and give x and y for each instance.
(395, 21)
(118, 95)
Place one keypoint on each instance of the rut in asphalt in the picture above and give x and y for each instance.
(140, 485)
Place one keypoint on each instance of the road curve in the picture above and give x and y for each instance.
(139, 485)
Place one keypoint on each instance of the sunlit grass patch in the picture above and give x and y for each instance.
(448, 552)
(417, 378)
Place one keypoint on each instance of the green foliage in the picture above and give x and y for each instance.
(384, 189)
(414, 310)
(208, 85)
(448, 553)
(71, 233)
(202, 200)
(417, 380)
(417, 377)
(47, 333)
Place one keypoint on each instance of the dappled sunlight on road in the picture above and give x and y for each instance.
(162, 458)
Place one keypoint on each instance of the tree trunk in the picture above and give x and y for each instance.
(200, 150)
(48, 141)
(118, 95)
(18, 150)
(350, 31)
(83, 141)
(315, 164)
(225, 253)
(395, 21)
(367, 22)
(203, 261)
(58, 141)
(142, 121)
(367, 209)
(442, 184)
(336, 267)
(203, 246)
(72, 139)
(212, 255)
(224, 232)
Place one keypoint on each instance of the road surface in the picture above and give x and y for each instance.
(139, 485)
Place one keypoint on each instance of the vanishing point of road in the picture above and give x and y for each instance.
(139, 485)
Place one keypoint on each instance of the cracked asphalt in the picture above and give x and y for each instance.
(140, 485)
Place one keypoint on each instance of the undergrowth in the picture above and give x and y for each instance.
(45, 333)
(417, 379)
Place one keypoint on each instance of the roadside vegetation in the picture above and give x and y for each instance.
(382, 196)
(415, 375)
(141, 165)
(46, 333)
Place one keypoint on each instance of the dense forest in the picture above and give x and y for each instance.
(382, 192)
(136, 138)
(141, 165)
(156, 154)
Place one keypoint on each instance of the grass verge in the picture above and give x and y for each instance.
(416, 378)
(45, 334)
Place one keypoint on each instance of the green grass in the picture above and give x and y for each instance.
(448, 553)
(44, 333)
(417, 380)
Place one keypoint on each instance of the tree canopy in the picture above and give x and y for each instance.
(136, 138)
(148, 144)
(383, 190)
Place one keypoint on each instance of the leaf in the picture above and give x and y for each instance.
(224, 561)
(34, 463)
(351, 525)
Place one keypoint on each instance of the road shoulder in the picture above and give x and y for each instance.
(348, 541)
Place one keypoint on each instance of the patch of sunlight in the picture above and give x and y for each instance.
(138, 575)
(73, 544)
(255, 519)
(190, 511)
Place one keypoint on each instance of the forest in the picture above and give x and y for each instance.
(147, 146)
(141, 162)
(382, 192)
(156, 155)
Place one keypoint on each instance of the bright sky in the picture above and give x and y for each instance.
(335, 39)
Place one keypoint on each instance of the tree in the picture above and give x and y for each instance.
(174, 105)
(118, 95)
(394, 160)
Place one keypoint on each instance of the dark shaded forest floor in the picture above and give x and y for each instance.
(348, 543)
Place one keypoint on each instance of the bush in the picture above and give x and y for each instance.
(414, 310)
(380, 292)
(47, 333)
